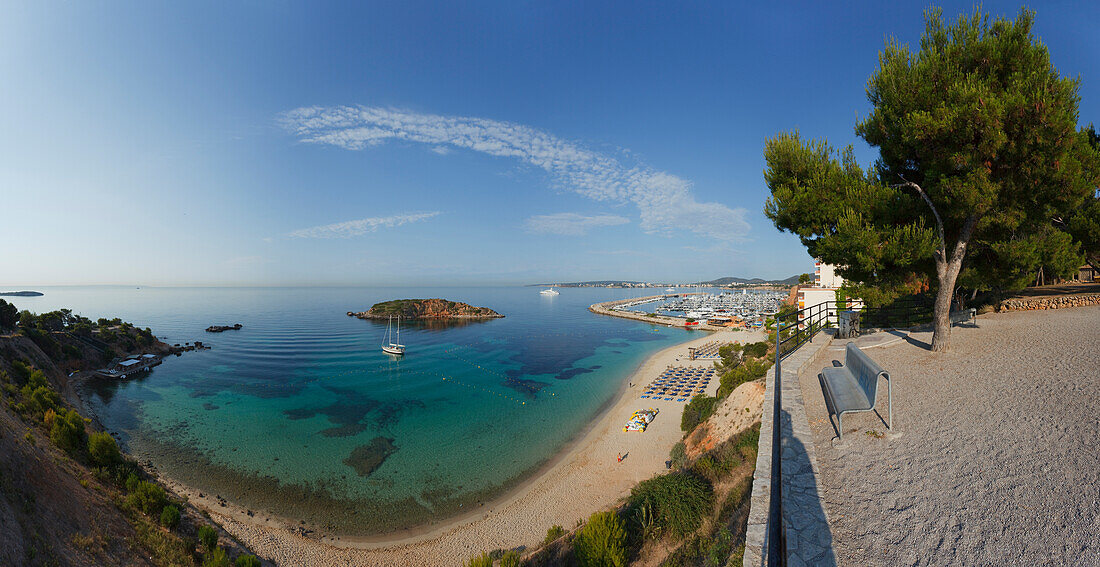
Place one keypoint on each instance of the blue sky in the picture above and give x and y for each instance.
(410, 143)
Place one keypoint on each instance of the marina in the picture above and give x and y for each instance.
(722, 309)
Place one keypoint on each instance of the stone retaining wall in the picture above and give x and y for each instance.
(805, 522)
(1048, 302)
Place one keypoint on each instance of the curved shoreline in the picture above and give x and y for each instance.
(580, 479)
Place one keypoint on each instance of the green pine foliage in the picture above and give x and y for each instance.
(553, 534)
(247, 560)
(980, 163)
(147, 497)
(170, 517)
(216, 557)
(601, 542)
(481, 560)
(67, 432)
(103, 450)
(208, 537)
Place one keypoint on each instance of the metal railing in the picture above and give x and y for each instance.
(794, 329)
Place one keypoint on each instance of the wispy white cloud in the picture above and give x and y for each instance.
(362, 226)
(441, 150)
(570, 224)
(665, 202)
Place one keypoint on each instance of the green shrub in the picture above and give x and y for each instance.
(149, 498)
(678, 455)
(510, 559)
(103, 450)
(601, 542)
(215, 557)
(132, 482)
(553, 533)
(678, 501)
(482, 560)
(170, 517)
(756, 350)
(21, 372)
(67, 432)
(247, 560)
(697, 411)
(208, 537)
(749, 370)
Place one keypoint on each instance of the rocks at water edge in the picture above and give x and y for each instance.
(220, 328)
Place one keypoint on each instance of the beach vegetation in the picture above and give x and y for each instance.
(208, 537)
(247, 560)
(147, 497)
(678, 501)
(601, 542)
(697, 411)
(980, 165)
(482, 559)
(103, 450)
(216, 557)
(510, 558)
(553, 533)
(170, 516)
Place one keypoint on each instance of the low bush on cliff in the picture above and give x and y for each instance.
(103, 450)
(208, 537)
(149, 498)
(601, 542)
(749, 370)
(677, 501)
(697, 411)
(67, 431)
(247, 560)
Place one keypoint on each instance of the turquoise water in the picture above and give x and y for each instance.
(301, 414)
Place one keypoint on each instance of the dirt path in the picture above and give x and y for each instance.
(995, 455)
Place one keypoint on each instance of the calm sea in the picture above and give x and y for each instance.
(300, 412)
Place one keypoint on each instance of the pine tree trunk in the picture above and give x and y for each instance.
(941, 313)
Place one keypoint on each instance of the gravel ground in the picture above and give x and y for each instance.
(995, 454)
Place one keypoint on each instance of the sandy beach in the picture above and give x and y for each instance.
(584, 478)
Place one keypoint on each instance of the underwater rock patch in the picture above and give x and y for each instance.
(366, 459)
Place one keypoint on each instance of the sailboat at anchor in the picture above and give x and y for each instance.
(392, 344)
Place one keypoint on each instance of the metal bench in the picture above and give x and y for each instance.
(854, 387)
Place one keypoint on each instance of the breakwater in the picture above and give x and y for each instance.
(608, 308)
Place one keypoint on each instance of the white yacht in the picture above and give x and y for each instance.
(392, 344)
(549, 291)
(670, 290)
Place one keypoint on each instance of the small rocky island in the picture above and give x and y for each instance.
(223, 328)
(21, 293)
(427, 310)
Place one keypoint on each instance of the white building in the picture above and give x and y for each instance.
(826, 282)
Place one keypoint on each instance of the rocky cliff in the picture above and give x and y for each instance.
(425, 309)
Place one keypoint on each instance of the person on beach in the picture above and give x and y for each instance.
(620, 457)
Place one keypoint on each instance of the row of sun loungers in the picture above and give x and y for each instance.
(679, 384)
(709, 350)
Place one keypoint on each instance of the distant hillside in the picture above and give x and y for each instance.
(751, 281)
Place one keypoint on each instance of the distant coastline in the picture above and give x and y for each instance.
(20, 293)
